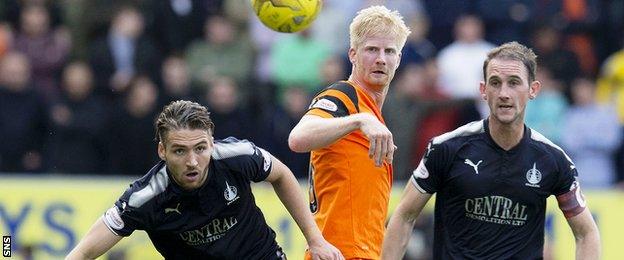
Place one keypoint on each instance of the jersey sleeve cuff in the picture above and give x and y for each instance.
(319, 112)
(418, 187)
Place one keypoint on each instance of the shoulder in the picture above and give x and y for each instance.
(154, 183)
(231, 147)
(460, 134)
(338, 99)
(545, 145)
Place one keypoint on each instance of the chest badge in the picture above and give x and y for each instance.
(533, 176)
(475, 166)
(230, 193)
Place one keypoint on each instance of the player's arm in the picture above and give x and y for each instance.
(288, 190)
(402, 222)
(96, 242)
(586, 235)
(574, 207)
(314, 132)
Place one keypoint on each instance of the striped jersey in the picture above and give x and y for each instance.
(348, 193)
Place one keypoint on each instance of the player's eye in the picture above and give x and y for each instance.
(200, 149)
(178, 151)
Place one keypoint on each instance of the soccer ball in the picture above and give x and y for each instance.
(287, 16)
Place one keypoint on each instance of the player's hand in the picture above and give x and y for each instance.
(381, 143)
(323, 250)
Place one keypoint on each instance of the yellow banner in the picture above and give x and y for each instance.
(50, 215)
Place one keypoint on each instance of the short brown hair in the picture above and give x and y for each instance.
(513, 51)
(182, 114)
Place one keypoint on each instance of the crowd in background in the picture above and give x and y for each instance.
(82, 80)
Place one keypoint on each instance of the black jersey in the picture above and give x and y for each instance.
(491, 203)
(219, 220)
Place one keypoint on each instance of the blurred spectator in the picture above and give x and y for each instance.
(176, 82)
(6, 38)
(332, 23)
(610, 89)
(442, 113)
(592, 133)
(402, 112)
(418, 48)
(297, 60)
(78, 127)
(13, 10)
(132, 145)
(562, 63)
(443, 15)
(332, 70)
(123, 53)
(174, 24)
(514, 14)
(461, 63)
(416, 112)
(223, 51)
(545, 112)
(277, 125)
(262, 39)
(226, 111)
(46, 49)
(22, 117)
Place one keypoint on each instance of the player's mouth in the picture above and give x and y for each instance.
(505, 107)
(379, 72)
(192, 176)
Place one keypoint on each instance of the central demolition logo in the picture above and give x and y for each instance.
(533, 176)
(213, 231)
(496, 209)
(230, 193)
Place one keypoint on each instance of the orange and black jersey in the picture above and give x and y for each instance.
(348, 193)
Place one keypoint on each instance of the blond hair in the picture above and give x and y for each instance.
(375, 21)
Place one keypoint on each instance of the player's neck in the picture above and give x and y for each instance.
(506, 136)
(377, 95)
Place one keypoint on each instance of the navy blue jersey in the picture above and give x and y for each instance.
(491, 203)
(219, 220)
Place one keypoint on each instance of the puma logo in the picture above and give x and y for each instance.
(475, 166)
(168, 210)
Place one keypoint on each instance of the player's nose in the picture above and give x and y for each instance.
(192, 160)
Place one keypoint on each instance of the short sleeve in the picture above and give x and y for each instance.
(567, 175)
(256, 166)
(338, 100)
(429, 175)
(123, 219)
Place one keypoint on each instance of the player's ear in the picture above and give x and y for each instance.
(352, 55)
(534, 89)
(161, 151)
(482, 90)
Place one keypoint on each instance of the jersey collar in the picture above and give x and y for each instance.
(488, 138)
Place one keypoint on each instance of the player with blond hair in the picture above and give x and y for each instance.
(351, 147)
